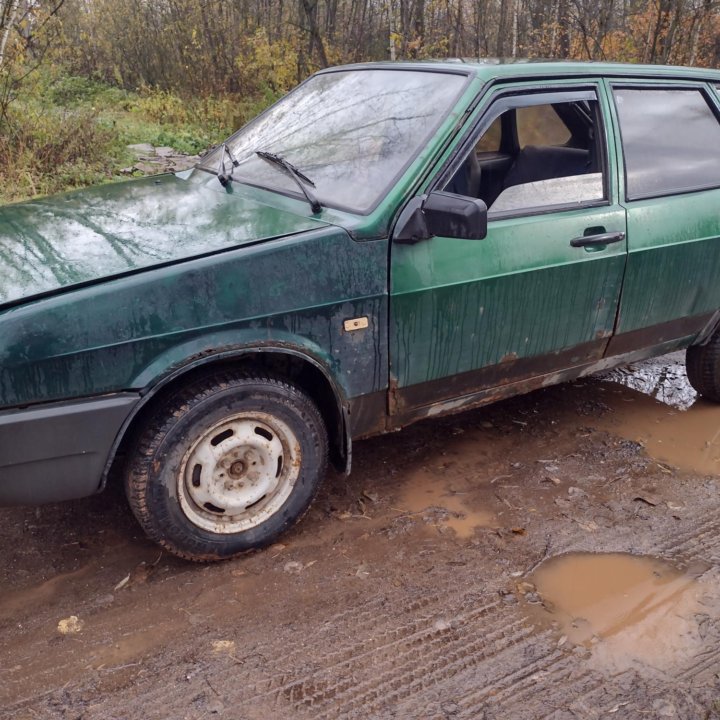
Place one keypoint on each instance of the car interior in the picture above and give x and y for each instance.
(520, 160)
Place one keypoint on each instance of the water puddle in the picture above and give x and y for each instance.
(630, 610)
(653, 403)
(688, 439)
(447, 506)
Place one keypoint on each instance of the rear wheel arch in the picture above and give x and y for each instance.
(300, 369)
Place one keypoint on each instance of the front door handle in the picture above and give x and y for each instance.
(594, 240)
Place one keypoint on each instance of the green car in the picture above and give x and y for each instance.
(387, 243)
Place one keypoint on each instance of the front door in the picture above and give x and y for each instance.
(540, 292)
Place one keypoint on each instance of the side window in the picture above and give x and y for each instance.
(671, 141)
(534, 156)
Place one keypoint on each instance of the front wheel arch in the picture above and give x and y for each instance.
(296, 367)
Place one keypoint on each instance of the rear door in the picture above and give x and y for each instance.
(540, 292)
(670, 138)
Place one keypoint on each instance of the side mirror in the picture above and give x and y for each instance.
(455, 216)
(441, 213)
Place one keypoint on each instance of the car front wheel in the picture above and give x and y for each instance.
(226, 465)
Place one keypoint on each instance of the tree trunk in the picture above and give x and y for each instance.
(501, 50)
(563, 20)
(310, 8)
(8, 15)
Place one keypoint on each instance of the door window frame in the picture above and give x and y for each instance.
(508, 97)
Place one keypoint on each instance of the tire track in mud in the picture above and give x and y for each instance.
(394, 659)
(703, 542)
(424, 666)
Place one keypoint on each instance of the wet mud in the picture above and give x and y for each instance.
(552, 556)
(458, 507)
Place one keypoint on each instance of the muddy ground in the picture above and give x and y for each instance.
(446, 578)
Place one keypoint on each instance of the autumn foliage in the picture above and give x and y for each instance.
(200, 68)
(258, 46)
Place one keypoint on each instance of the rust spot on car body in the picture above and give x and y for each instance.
(394, 405)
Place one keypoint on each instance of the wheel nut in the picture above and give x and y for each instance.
(237, 468)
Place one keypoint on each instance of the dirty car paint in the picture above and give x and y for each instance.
(521, 292)
(125, 333)
(77, 237)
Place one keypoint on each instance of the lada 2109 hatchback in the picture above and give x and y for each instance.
(386, 243)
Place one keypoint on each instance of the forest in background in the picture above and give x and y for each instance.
(81, 79)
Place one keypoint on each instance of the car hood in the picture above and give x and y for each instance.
(114, 229)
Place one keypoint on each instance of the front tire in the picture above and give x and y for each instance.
(226, 465)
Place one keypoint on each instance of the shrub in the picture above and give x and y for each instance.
(52, 150)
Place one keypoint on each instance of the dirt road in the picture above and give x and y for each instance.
(446, 578)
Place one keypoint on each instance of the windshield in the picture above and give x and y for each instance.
(350, 132)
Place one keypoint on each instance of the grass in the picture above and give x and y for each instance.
(66, 132)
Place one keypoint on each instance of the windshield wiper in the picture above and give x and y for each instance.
(221, 174)
(302, 180)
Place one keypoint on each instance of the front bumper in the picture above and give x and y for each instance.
(59, 451)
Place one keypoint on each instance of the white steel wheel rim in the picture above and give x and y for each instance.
(239, 473)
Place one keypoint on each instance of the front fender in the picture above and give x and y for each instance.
(234, 344)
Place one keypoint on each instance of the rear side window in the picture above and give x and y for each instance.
(671, 141)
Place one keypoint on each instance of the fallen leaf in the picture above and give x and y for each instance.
(70, 626)
(122, 583)
(617, 707)
(223, 646)
(590, 526)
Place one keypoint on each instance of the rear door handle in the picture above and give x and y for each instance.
(594, 240)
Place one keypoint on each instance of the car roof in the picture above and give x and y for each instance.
(494, 69)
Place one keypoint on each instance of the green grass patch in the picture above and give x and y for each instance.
(69, 132)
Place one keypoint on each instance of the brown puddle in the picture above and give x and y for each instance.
(424, 492)
(655, 405)
(629, 609)
(688, 439)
